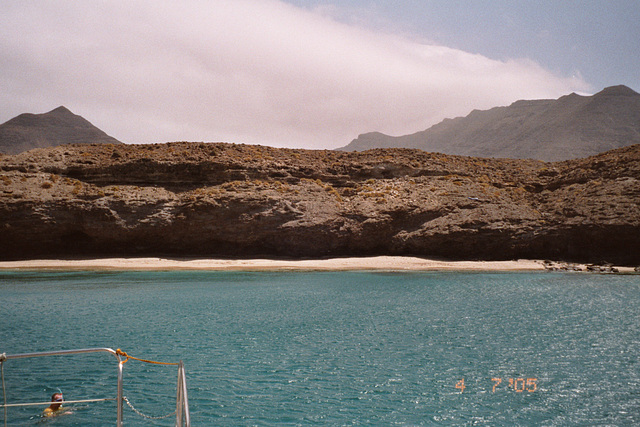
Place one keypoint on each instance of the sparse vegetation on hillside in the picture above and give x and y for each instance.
(240, 200)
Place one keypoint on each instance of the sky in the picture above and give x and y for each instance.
(303, 73)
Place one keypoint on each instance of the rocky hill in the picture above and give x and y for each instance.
(224, 200)
(57, 127)
(570, 127)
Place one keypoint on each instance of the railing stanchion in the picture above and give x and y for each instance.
(119, 397)
(182, 401)
(179, 399)
(185, 397)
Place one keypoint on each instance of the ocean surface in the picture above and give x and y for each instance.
(328, 348)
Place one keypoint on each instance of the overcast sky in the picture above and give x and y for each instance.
(303, 73)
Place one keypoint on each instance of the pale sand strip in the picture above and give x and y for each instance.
(384, 263)
(380, 263)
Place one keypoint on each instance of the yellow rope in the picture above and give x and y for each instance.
(122, 353)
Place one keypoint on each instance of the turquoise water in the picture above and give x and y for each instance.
(354, 348)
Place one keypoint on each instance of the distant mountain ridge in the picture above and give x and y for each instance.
(570, 127)
(60, 126)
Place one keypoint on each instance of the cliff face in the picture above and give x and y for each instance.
(187, 199)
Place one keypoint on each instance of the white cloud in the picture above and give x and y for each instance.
(255, 71)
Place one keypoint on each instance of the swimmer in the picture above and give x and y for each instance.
(56, 407)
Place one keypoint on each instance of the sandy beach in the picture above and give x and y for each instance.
(380, 263)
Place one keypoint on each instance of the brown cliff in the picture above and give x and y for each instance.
(225, 200)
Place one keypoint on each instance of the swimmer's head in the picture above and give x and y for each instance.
(58, 399)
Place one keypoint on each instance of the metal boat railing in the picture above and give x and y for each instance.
(182, 402)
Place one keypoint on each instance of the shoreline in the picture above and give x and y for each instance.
(378, 263)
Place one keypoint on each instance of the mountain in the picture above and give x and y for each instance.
(570, 127)
(57, 127)
(226, 200)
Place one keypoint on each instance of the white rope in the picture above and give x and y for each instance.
(49, 403)
(146, 416)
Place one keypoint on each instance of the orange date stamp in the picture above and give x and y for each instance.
(519, 385)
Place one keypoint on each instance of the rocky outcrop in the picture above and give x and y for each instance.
(60, 126)
(225, 200)
(570, 127)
